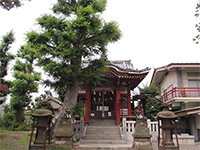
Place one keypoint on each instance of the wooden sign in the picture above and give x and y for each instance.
(3, 88)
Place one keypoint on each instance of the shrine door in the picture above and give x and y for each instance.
(102, 105)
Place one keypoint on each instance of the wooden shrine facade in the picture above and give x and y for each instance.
(104, 101)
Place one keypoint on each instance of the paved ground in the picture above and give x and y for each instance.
(154, 144)
(182, 147)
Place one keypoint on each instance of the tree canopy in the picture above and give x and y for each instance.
(72, 44)
(9, 4)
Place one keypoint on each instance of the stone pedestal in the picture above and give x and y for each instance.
(167, 125)
(64, 134)
(168, 142)
(141, 137)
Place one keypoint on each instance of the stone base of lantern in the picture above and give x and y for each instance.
(66, 142)
(142, 142)
(37, 147)
(169, 147)
(64, 134)
(142, 138)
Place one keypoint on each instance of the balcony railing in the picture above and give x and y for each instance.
(181, 92)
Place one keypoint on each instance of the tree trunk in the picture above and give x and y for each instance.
(19, 114)
(70, 98)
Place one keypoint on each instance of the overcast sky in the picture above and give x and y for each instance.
(155, 32)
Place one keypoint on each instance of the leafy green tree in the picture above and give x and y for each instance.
(9, 4)
(5, 58)
(151, 105)
(72, 47)
(197, 26)
(26, 80)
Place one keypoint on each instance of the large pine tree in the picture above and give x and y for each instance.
(72, 45)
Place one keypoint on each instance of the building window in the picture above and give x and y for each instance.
(193, 74)
(168, 88)
(194, 83)
(167, 91)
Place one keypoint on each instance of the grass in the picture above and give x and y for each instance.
(19, 140)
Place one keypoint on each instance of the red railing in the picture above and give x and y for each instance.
(181, 92)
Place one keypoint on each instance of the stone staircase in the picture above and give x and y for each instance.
(103, 135)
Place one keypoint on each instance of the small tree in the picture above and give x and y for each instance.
(152, 105)
(26, 80)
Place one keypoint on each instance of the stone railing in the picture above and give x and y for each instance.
(128, 129)
(78, 128)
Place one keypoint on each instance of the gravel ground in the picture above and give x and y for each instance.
(196, 146)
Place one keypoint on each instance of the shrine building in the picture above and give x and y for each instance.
(109, 100)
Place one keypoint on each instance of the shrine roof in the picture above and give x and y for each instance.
(125, 65)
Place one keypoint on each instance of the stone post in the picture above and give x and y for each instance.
(141, 137)
(64, 133)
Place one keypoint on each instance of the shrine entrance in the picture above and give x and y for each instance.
(102, 104)
(112, 98)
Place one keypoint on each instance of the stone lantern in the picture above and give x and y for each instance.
(167, 125)
(42, 120)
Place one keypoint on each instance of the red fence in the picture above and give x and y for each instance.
(181, 92)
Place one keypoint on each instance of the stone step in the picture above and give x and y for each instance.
(105, 142)
(101, 130)
(100, 146)
(102, 122)
(103, 127)
(100, 137)
(102, 133)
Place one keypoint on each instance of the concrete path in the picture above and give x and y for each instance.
(196, 146)
(128, 145)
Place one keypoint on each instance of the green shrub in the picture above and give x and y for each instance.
(9, 121)
(23, 127)
(78, 109)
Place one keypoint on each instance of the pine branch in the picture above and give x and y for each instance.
(90, 38)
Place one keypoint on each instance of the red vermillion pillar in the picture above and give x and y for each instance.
(88, 105)
(129, 100)
(118, 106)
